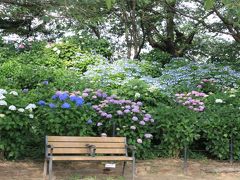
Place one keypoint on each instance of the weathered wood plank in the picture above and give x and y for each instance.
(89, 158)
(86, 151)
(80, 144)
(86, 139)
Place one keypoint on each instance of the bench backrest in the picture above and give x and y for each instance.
(78, 145)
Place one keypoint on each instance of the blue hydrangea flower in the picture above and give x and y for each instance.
(41, 103)
(63, 96)
(54, 97)
(89, 121)
(66, 106)
(51, 105)
(79, 101)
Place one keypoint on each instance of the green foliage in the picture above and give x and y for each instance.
(221, 122)
(176, 127)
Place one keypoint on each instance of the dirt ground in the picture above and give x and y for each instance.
(158, 169)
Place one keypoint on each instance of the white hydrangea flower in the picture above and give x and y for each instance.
(2, 115)
(218, 101)
(21, 110)
(137, 95)
(55, 49)
(2, 96)
(3, 103)
(12, 108)
(58, 51)
(3, 91)
(232, 95)
(31, 116)
(14, 93)
(30, 107)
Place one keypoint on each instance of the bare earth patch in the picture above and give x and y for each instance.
(162, 169)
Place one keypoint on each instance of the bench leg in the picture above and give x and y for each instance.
(124, 164)
(45, 167)
(133, 168)
(50, 169)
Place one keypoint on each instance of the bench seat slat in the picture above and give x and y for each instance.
(89, 158)
(86, 151)
(86, 139)
(80, 144)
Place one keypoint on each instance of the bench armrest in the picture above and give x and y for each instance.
(49, 146)
(133, 149)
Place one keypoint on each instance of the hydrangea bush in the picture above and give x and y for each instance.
(16, 123)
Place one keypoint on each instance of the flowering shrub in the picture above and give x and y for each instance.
(65, 114)
(192, 100)
(15, 123)
(122, 118)
(221, 123)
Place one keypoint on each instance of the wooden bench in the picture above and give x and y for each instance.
(73, 148)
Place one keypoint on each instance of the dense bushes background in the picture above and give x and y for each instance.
(158, 103)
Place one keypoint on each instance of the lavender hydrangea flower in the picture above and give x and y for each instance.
(126, 111)
(142, 123)
(136, 110)
(134, 118)
(119, 112)
(109, 116)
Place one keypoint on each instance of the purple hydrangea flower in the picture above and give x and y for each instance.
(146, 119)
(142, 123)
(126, 111)
(66, 106)
(136, 110)
(139, 103)
(104, 114)
(104, 95)
(148, 116)
(109, 116)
